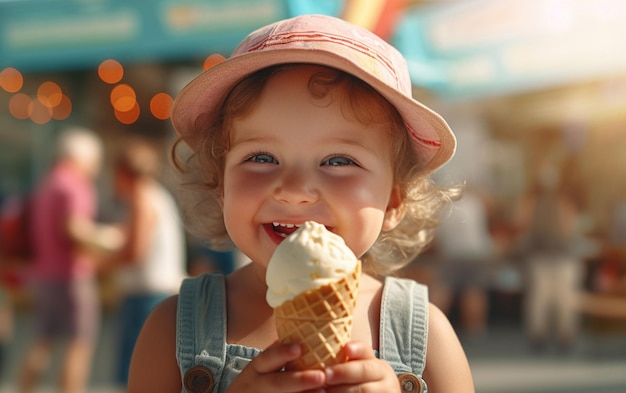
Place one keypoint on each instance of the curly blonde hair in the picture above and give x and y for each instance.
(203, 170)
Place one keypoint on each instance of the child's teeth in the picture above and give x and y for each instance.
(278, 224)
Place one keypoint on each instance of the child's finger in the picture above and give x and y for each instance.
(274, 357)
(362, 367)
(355, 372)
(292, 381)
(357, 369)
(356, 350)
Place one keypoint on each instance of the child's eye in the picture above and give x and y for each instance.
(263, 158)
(338, 161)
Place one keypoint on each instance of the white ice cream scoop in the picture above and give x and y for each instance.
(307, 259)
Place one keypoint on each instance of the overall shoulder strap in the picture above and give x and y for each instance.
(201, 324)
(404, 325)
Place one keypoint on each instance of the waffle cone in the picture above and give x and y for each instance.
(320, 320)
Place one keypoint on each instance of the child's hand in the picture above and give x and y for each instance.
(364, 369)
(263, 374)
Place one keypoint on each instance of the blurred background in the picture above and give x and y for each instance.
(535, 91)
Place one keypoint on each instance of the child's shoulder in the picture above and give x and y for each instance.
(164, 312)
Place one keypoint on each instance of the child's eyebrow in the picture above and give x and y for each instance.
(243, 139)
(346, 141)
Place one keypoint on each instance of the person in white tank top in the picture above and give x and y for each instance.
(152, 263)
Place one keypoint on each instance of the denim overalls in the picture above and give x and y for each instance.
(208, 364)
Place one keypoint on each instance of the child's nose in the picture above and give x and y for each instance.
(296, 187)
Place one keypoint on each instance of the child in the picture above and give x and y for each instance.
(310, 119)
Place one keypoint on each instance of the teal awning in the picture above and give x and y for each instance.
(42, 35)
(476, 48)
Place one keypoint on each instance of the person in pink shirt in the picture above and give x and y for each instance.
(67, 242)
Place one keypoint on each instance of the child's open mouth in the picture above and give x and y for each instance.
(284, 230)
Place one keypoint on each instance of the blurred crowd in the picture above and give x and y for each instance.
(61, 256)
(538, 264)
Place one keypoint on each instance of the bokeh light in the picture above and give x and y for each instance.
(123, 98)
(11, 80)
(19, 106)
(49, 94)
(161, 106)
(110, 71)
(63, 110)
(212, 60)
(39, 112)
(128, 116)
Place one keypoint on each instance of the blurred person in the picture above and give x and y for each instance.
(6, 327)
(14, 259)
(67, 246)
(464, 244)
(152, 262)
(611, 275)
(547, 219)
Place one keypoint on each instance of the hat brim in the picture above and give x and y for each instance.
(432, 138)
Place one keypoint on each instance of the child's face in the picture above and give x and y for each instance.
(295, 158)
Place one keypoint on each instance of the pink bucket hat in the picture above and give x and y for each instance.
(322, 40)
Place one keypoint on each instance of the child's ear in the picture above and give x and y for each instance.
(395, 210)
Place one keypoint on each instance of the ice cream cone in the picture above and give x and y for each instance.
(320, 320)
